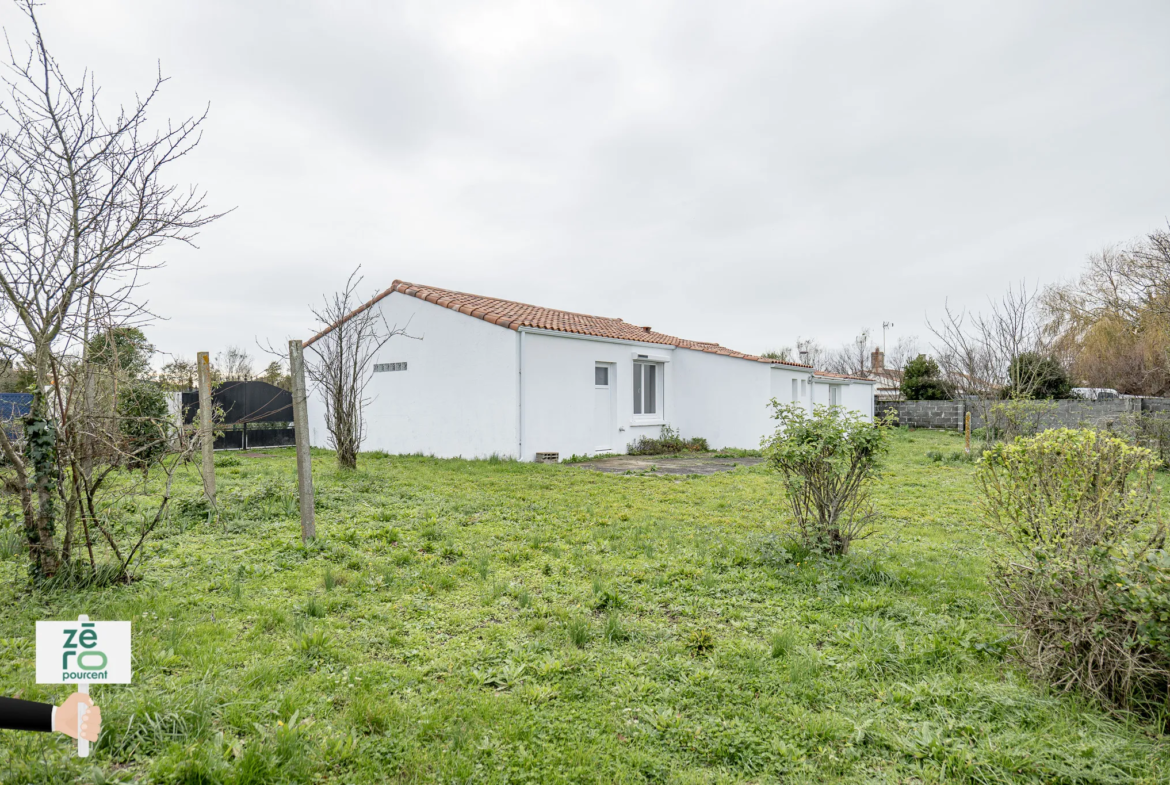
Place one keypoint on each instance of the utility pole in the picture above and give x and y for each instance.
(206, 435)
(296, 368)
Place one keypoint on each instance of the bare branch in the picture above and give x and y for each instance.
(341, 364)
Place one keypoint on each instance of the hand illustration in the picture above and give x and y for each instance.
(65, 720)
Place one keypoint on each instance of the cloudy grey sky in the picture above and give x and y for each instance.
(727, 171)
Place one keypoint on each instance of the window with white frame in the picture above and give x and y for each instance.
(795, 390)
(647, 389)
(835, 395)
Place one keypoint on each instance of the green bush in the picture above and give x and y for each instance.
(1035, 375)
(828, 463)
(1018, 417)
(1081, 573)
(143, 421)
(922, 381)
(669, 441)
(1151, 430)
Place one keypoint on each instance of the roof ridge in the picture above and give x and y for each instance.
(505, 300)
(486, 308)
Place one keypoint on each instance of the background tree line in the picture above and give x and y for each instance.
(1109, 328)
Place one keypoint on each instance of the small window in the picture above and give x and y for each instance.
(795, 390)
(645, 388)
(803, 388)
(835, 395)
(601, 375)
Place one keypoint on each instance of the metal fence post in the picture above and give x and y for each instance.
(296, 366)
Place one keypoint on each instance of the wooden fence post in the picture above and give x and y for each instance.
(296, 367)
(967, 430)
(205, 431)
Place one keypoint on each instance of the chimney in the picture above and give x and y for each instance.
(645, 329)
(804, 356)
(877, 360)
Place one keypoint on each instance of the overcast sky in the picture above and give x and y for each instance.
(737, 172)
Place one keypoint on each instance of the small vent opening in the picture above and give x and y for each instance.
(548, 457)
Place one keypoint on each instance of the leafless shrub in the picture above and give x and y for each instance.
(975, 350)
(83, 202)
(340, 366)
(1113, 322)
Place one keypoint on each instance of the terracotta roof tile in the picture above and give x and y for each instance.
(514, 315)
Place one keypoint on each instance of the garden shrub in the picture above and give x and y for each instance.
(922, 381)
(1082, 574)
(142, 408)
(1152, 431)
(1038, 376)
(669, 441)
(1019, 417)
(828, 462)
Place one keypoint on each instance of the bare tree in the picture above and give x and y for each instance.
(904, 350)
(341, 364)
(784, 354)
(809, 351)
(178, 375)
(83, 202)
(978, 352)
(853, 358)
(232, 363)
(1112, 324)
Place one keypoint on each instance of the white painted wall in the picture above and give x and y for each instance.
(468, 380)
(854, 395)
(723, 399)
(458, 396)
(559, 394)
(859, 396)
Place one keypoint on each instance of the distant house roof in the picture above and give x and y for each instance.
(514, 315)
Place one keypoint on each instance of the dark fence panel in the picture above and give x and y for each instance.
(255, 414)
(229, 440)
(250, 402)
(15, 405)
(271, 437)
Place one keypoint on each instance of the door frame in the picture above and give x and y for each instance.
(611, 388)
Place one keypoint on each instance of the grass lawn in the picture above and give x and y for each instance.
(471, 621)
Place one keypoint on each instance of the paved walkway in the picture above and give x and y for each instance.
(667, 464)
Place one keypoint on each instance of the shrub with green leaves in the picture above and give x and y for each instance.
(1081, 572)
(922, 381)
(828, 462)
(1067, 490)
(1018, 417)
(142, 412)
(1150, 430)
(668, 441)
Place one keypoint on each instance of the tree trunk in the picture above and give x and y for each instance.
(40, 505)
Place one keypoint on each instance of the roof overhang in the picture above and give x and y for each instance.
(839, 380)
(656, 347)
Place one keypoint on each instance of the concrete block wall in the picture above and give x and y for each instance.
(1076, 414)
(948, 415)
(1155, 405)
(939, 415)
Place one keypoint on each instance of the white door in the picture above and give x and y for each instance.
(603, 408)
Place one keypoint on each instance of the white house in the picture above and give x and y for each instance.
(496, 377)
